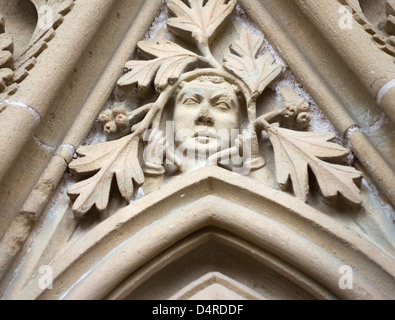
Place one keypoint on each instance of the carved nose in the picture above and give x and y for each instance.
(204, 117)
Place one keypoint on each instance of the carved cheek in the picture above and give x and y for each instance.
(227, 120)
(184, 117)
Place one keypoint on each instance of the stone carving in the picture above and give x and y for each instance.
(6, 57)
(43, 34)
(257, 73)
(382, 28)
(200, 20)
(296, 151)
(207, 97)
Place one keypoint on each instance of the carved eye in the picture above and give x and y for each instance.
(191, 101)
(222, 104)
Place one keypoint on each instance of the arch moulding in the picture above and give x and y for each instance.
(93, 266)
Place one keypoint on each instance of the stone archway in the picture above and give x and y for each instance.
(93, 266)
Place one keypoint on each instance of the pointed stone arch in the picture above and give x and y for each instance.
(275, 222)
(215, 262)
(216, 286)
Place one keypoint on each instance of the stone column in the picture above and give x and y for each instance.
(27, 107)
(373, 67)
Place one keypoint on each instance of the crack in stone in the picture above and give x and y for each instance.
(32, 111)
(51, 150)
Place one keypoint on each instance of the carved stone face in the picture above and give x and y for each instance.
(206, 111)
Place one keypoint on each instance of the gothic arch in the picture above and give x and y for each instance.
(213, 282)
(212, 259)
(275, 222)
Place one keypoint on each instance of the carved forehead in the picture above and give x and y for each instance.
(212, 85)
(211, 80)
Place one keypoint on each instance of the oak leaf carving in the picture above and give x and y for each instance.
(200, 18)
(171, 61)
(257, 73)
(117, 158)
(296, 151)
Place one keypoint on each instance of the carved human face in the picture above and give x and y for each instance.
(205, 113)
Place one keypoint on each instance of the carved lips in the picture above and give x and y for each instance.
(204, 136)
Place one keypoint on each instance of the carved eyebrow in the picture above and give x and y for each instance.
(187, 95)
(224, 95)
(180, 96)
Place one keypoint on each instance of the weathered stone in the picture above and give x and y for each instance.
(180, 150)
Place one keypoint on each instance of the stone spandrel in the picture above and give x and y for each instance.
(215, 119)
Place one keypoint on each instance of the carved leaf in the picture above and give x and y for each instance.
(199, 19)
(257, 73)
(119, 158)
(296, 151)
(171, 60)
(95, 157)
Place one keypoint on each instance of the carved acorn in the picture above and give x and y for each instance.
(114, 119)
(303, 121)
(121, 118)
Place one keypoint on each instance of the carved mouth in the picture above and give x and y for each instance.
(205, 134)
(204, 137)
